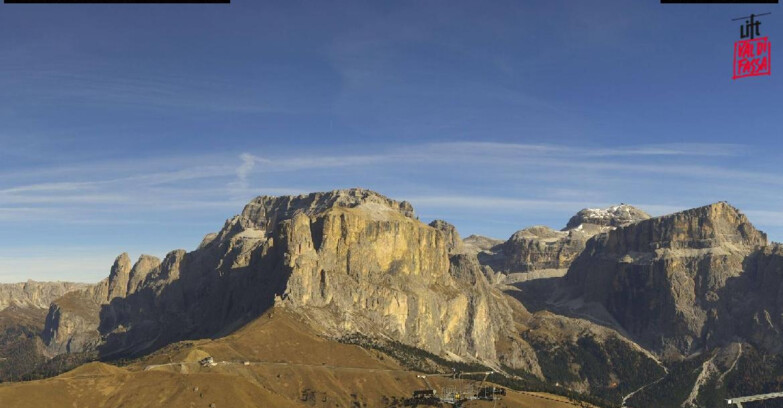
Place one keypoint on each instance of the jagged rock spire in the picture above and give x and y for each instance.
(119, 276)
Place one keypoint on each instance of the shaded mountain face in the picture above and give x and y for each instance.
(351, 260)
(680, 282)
(755, 301)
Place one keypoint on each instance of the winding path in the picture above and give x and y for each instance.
(733, 365)
(665, 374)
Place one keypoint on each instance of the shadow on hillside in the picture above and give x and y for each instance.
(534, 294)
(209, 299)
(556, 296)
(749, 306)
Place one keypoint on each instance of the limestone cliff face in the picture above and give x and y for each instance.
(367, 265)
(33, 294)
(377, 270)
(349, 261)
(664, 279)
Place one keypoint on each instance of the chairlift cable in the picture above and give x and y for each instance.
(754, 15)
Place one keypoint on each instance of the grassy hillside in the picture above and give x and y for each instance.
(275, 361)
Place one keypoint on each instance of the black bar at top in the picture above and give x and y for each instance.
(719, 1)
(117, 1)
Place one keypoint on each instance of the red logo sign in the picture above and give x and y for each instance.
(751, 55)
(751, 58)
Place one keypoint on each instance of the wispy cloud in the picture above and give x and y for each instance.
(488, 188)
(498, 203)
(181, 184)
(670, 149)
(26, 213)
(113, 87)
(47, 187)
(248, 162)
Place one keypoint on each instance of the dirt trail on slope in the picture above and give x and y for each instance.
(708, 368)
(665, 373)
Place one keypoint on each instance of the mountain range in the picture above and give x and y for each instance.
(345, 298)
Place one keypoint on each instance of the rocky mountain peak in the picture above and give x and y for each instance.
(614, 216)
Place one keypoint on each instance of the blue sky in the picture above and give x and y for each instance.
(142, 128)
